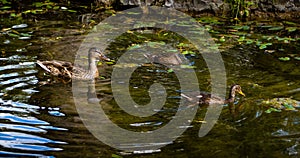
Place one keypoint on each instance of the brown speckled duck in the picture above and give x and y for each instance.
(166, 58)
(206, 98)
(67, 70)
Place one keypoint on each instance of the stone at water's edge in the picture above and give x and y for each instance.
(287, 9)
(183, 5)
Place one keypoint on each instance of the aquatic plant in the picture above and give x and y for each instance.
(240, 8)
(278, 104)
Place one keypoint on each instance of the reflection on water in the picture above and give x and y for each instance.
(23, 133)
(20, 129)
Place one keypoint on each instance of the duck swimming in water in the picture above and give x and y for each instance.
(67, 70)
(206, 98)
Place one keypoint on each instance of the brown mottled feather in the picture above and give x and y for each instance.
(206, 98)
(67, 70)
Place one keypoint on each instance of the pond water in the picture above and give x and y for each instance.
(39, 119)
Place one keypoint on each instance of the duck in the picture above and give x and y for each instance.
(67, 70)
(206, 98)
(166, 58)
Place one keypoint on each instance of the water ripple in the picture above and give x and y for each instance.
(17, 119)
(25, 128)
(56, 113)
(19, 79)
(28, 138)
(19, 85)
(19, 129)
(53, 128)
(11, 104)
(20, 26)
(24, 65)
(13, 74)
(22, 141)
(15, 154)
(150, 124)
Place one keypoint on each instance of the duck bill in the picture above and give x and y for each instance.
(103, 57)
(241, 93)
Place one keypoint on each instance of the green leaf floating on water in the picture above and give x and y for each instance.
(5, 7)
(38, 4)
(56, 7)
(170, 70)
(249, 41)
(49, 7)
(267, 37)
(72, 11)
(13, 35)
(188, 52)
(134, 47)
(156, 44)
(110, 62)
(211, 20)
(291, 29)
(284, 39)
(264, 45)
(239, 27)
(297, 58)
(172, 50)
(246, 27)
(13, 14)
(266, 26)
(284, 58)
(116, 156)
(276, 28)
(272, 110)
(241, 39)
(258, 43)
(183, 45)
(133, 13)
(187, 66)
(289, 23)
(222, 39)
(288, 106)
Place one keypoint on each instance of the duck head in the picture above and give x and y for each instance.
(95, 53)
(236, 88)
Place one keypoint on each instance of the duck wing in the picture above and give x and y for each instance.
(210, 99)
(202, 98)
(57, 68)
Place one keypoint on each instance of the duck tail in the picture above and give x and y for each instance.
(42, 66)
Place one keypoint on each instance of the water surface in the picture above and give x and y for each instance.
(38, 118)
